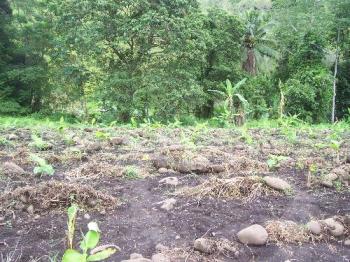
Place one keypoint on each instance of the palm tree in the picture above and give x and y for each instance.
(257, 42)
(234, 102)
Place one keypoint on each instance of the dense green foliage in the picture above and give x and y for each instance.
(159, 60)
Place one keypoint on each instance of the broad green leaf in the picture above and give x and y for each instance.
(102, 254)
(72, 255)
(90, 240)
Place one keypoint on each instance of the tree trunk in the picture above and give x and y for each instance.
(250, 64)
(335, 78)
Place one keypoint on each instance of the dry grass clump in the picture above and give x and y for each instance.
(246, 165)
(245, 188)
(286, 232)
(56, 195)
(189, 255)
(94, 169)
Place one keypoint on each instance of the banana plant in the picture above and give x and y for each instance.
(89, 250)
(231, 95)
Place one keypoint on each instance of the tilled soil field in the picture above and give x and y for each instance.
(181, 194)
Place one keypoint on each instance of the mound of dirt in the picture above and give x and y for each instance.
(54, 195)
(95, 169)
(244, 188)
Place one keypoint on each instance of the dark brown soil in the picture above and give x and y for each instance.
(138, 224)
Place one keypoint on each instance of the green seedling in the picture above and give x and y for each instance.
(102, 135)
(335, 145)
(42, 168)
(130, 172)
(312, 171)
(39, 143)
(274, 161)
(88, 246)
(4, 141)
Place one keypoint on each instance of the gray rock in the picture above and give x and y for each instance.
(347, 242)
(168, 204)
(160, 258)
(277, 183)
(314, 227)
(172, 181)
(10, 168)
(205, 245)
(335, 228)
(135, 256)
(12, 137)
(160, 247)
(162, 170)
(253, 235)
(328, 179)
(30, 209)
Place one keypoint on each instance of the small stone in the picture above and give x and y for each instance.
(172, 181)
(23, 198)
(12, 137)
(177, 237)
(253, 235)
(347, 242)
(117, 141)
(36, 216)
(10, 168)
(87, 216)
(239, 147)
(168, 204)
(277, 183)
(160, 247)
(162, 170)
(205, 245)
(135, 256)
(336, 228)
(160, 258)
(314, 227)
(328, 179)
(30, 209)
(2, 219)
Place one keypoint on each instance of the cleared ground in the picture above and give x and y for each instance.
(217, 188)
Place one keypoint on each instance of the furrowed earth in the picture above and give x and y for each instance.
(180, 194)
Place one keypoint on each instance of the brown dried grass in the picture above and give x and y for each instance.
(287, 232)
(244, 188)
(57, 195)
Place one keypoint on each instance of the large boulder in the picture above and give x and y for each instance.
(253, 235)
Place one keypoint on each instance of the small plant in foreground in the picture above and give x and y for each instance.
(102, 135)
(4, 141)
(42, 168)
(131, 172)
(39, 143)
(312, 171)
(88, 246)
(335, 145)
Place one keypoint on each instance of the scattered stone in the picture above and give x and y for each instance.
(92, 147)
(162, 170)
(117, 141)
(217, 168)
(239, 147)
(160, 247)
(160, 258)
(12, 137)
(37, 216)
(335, 228)
(135, 256)
(253, 235)
(168, 204)
(173, 181)
(177, 237)
(205, 245)
(314, 227)
(30, 209)
(87, 216)
(328, 179)
(347, 242)
(10, 168)
(277, 183)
